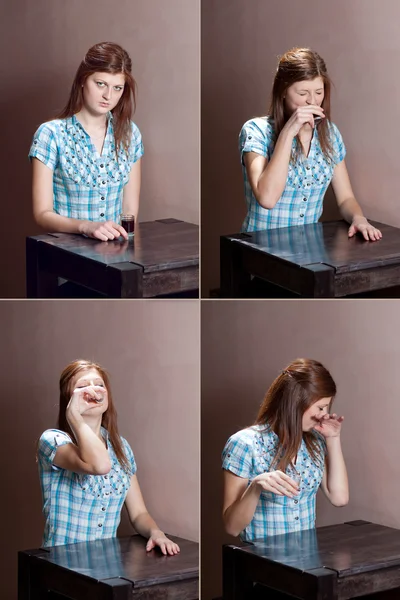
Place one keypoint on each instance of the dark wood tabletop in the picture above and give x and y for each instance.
(297, 257)
(162, 258)
(345, 561)
(118, 568)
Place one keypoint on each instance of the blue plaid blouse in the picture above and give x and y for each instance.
(80, 507)
(306, 184)
(249, 453)
(86, 185)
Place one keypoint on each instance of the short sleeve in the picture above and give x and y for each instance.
(338, 144)
(49, 441)
(136, 149)
(237, 456)
(255, 136)
(44, 146)
(129, 455)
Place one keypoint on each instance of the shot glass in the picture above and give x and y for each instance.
(99, 390)
(128, 223)
(295, 475)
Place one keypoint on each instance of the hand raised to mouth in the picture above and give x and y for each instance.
(329, 425)
(93, 393)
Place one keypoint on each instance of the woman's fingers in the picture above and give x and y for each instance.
(172, 548)
(290, 483)
(369, 232)
(114, 229)
(375, 234)
(121, 230)
(108, 231)
(99, 235)
(270, 487)
(284, 484)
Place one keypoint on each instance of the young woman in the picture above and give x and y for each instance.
(87, 470)
(290, 157)
(86, 162)
(272, 470)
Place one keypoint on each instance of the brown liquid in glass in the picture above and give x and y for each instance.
(128, 225)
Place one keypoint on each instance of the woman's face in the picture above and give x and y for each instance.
(315, 412)
(102, 92)
(91, 377)
(303, 93)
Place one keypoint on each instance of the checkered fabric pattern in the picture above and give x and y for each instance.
(249, 453)
(86, 185)
(306, 184)
(80, 507)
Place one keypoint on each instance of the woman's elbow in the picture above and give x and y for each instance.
(340, 500)
(39, 217)
(266, 200)
(231, 530)
(229, 527)
(102, 468)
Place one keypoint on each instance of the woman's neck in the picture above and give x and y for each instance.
(91, 121)
(94, 424)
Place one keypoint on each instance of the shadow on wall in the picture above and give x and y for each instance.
(216, 431)
(17, 134)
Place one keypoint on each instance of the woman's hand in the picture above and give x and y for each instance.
(303, 115)
(82, 399)
(361, 225)
(329, 425)
(103, 231)
(277, 482)
(158, 538)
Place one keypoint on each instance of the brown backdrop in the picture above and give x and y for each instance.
(42, 44)
(244, 346)
(151, 350)
(240, 45)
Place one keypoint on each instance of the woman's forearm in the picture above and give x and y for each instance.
(145, 525)
(91, 449)
(52, 222)
(239, 514)
(272, 180)
(337, 481)
(350, 209)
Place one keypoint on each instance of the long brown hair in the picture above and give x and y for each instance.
(301, 64)
(106, 57)
(299, 386)
(109, 418)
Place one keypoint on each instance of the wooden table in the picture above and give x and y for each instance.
(162, 259)
(112, 569)
(327, 563)
(311, 261)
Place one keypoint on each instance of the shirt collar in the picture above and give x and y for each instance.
(72, 122)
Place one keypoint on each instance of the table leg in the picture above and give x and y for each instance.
(39, 283)
(124, 280)
(318, 281)
(235, 586)
(233, 277)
